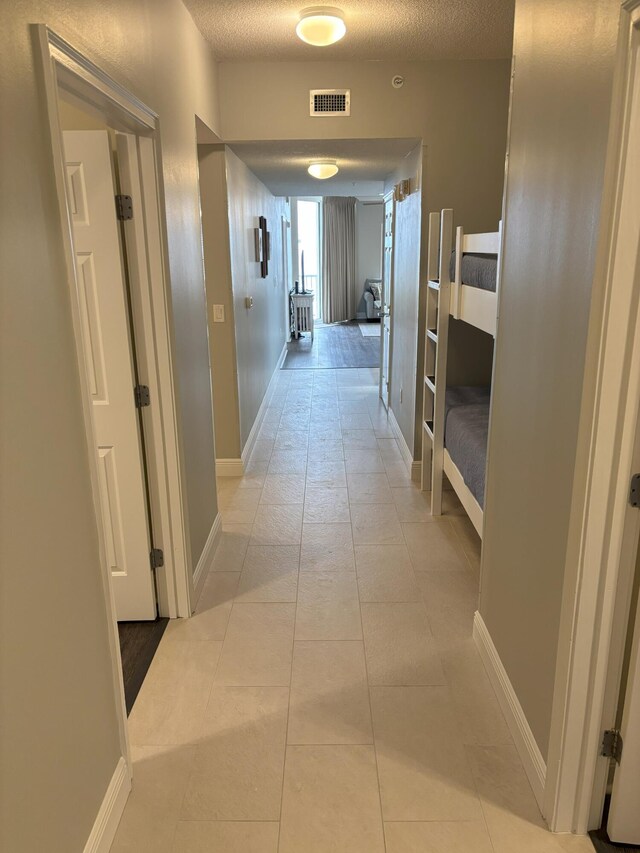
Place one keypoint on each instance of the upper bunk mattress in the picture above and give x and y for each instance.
(466, 435)
(479, 271)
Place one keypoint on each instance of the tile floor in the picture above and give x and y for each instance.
(327, 695)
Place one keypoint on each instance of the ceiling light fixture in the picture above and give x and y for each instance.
(323, 169)
(321, 25)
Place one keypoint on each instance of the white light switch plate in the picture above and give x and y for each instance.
(218, 313)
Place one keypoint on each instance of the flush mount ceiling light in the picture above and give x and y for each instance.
(321, 25)
(323, 169)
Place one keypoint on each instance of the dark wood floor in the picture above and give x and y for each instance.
(336, 346)
(600, 839)
(138, 644)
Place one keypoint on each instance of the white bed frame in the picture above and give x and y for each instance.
(473, 305)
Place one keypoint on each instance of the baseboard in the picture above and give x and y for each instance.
(229, 468)
(521, 733)
(416, 471)
(255, 429)
(110, 812)
(206, 558)
(407, 456)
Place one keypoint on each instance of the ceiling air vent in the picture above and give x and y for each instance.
(330, 102)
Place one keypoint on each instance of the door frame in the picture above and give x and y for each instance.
(62, 67)
(603, 532)
(287, 272)
(316, 199)
(390, 196)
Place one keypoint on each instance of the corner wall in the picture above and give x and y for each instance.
(217, 265)
(565, 55)
(260, 331)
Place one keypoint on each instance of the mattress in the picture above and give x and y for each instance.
(466, 431)
(479, 271)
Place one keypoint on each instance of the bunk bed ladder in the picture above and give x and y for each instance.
(440, 376)
(430, 344)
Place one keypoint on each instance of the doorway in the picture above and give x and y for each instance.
(309, 250)
(599, 604)
(106, 169)
(100, 164)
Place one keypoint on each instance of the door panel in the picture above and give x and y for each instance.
(110, 370)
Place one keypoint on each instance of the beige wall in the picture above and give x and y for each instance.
(58, 728)
(261, 330)
(217, 261)
(458, 108)
(406, 308)
(562, 93)
(369, 219)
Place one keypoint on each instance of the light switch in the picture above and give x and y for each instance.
(218, 313)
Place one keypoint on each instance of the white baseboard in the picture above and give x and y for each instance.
(110, 812)
(407, 455)
(416, 471)
(255, 429)
(206, 558)
(530, 755)
(229, 468)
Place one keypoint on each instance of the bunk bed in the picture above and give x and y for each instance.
(462, 283)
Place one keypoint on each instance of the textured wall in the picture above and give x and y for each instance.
(58, 729)
(561, 100)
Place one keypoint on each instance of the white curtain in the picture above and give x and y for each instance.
(339, 298)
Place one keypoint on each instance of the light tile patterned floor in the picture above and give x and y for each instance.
(327, 695)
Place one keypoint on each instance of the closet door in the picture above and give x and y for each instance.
(103, 302)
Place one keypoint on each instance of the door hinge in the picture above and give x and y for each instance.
(612, 745)
(142, 396)
(157, 558)
(124, 207)
(634, 490)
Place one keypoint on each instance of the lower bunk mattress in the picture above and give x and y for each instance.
(466, 432)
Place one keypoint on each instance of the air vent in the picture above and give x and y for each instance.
(330, 102)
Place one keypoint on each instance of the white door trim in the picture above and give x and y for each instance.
(60, 61)
(599, 562)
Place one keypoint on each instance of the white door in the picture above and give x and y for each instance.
(623, 824)
(105, 323)
(387, 299)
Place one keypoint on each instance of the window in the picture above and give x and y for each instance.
(309, 226)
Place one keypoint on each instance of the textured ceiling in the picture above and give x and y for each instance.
(364, 164)
(376, 29)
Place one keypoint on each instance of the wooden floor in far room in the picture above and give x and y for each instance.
(340, 345)
(138, 644)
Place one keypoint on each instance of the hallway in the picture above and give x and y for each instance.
(327, 695)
